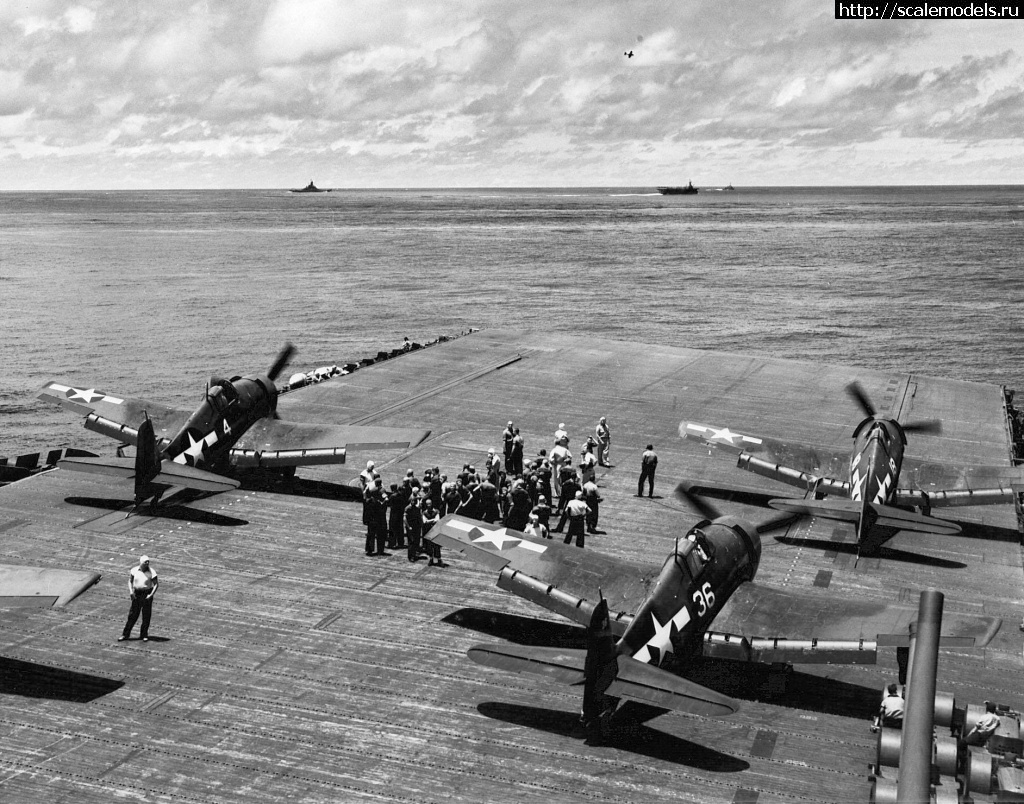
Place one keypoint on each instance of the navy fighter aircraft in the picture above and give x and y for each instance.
(870, 497)
(235, 427)
(637, 617)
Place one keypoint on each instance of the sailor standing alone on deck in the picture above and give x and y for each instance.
(648, 465)
(142, 584)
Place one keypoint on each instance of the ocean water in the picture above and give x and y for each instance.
(149, 293)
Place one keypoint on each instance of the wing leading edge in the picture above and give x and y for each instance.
(171, 474)
(763, 624)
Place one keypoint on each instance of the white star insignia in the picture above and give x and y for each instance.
(495, 537)
(195, 449)
(662, 639)
(86, 396)
(725, 434)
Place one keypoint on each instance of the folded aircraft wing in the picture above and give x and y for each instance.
(115, 416)
(634, 680)
(933, 485)
(931, 476)
(41, 587)
(760, 623)
(554, 575)
(280, 443)
(171, 474)
(801, 465)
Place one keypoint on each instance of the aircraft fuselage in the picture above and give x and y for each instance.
(695, 583)
(875, 466)
(228, 410)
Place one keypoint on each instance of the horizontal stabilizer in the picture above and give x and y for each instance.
(886, 515)
(647, 684)
(41, 587)
(890, 517)
(843, 510)
(643, 683)
(171, 474)
(562, 664)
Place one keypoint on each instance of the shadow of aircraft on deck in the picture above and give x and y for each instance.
(751, 682)
(884, 552)
(628, 733)
(31, 680)
(743, 680)
(167, 511)
(303, 487)
(521, 630)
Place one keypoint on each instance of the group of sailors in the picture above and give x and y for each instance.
(520, 494)
(892, 709)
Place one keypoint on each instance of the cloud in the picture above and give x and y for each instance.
(467, 89)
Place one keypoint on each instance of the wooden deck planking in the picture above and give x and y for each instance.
(296, 667)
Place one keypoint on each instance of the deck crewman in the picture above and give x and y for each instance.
(507, 436)
(890, 713)
(142, 584)
(577, 511)
(648, 464)
(604, 442)
(987, 725)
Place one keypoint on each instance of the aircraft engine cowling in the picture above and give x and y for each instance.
(257, 395)
(696, 580)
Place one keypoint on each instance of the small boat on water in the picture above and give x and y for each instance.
(730, 187)
(310, 188)
(689, 189)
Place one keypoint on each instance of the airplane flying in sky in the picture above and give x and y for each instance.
(235, 427)
(641, 620)
(870, 497)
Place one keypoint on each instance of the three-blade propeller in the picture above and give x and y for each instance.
(685, 492)
(927, 426)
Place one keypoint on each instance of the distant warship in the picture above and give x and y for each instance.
(310, 188)
(689, 189)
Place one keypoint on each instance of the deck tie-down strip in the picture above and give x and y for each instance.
(465, 378)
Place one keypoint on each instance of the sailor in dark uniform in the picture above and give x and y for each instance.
(648, 464)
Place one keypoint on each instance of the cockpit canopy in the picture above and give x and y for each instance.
(691, 554)
(221, 393)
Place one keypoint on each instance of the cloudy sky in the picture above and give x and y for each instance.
(373, 93)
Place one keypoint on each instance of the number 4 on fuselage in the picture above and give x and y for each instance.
(235, 427)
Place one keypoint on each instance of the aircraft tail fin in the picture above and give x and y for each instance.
(147, 460)
(600, 667)
(850, 511)
(605, 673)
